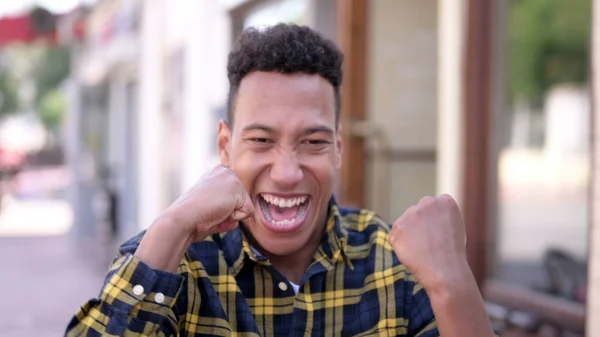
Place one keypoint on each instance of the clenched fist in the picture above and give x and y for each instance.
(430, 240)
(215, 204)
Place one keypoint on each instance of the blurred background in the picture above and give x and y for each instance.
(109, 110)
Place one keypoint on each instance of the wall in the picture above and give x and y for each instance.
(207, 45)
(402, 100)
(183, 91)
(149, 140)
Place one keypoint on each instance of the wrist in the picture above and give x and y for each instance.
(453, 281)
(458, 305)
(168, 223)
(164, 245)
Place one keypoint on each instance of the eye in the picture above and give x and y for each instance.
(316, 142)
(261, 140)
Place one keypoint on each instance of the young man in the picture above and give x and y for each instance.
(259, 246)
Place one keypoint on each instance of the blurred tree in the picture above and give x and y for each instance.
(549, 43)
(51, 108)
(50, 73)
(9, 100)
(52, 69)
(31, 79)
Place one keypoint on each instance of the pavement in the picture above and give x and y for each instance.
(44, 281)
(46, 275)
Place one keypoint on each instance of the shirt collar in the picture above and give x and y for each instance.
(236, 247)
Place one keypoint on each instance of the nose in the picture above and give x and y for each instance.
(286, 170)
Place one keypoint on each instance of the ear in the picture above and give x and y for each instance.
(224, 142)
(339, 147)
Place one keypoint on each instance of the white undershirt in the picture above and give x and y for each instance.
(294, 285)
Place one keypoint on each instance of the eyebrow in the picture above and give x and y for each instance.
(318, 128)
(309, 130)
(257, 126)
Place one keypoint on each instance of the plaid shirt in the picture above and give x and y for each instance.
(355, 286)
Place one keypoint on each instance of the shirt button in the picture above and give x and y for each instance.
(138, 290)
(159, 298)
(283, 286)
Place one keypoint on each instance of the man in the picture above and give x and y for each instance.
(260, 247)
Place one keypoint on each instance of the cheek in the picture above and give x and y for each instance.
(248, 165)
(323, 168)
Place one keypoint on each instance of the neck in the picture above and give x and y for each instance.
(294, 266)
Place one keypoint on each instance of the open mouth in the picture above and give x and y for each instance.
(283, 213)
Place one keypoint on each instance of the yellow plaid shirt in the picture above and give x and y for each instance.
(355, 286)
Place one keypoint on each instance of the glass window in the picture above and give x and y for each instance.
(543, 172)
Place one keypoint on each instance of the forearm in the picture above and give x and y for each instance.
(459, 309)
(163, 246)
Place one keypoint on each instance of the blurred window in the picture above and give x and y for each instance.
(543, 172)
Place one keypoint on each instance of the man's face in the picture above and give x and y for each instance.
(285, 148)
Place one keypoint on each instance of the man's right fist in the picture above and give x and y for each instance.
(215, 204)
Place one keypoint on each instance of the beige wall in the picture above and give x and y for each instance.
(402, 98)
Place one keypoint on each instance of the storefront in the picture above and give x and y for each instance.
(435, 78)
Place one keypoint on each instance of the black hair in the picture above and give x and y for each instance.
(286, 49)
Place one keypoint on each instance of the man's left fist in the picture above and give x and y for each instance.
(430, 240)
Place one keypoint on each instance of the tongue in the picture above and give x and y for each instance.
(283, 213)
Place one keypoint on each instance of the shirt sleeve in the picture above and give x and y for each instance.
(421, 322)
(135, 300)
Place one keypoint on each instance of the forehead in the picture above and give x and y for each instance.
(281, 99)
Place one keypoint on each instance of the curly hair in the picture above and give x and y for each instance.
(286, 49)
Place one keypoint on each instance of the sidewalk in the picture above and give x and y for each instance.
(45, 275)
(44, 281)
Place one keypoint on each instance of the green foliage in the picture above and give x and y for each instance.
(43, 66)
(51, 108)
(52, 70)
(549, 43)
(9, 100)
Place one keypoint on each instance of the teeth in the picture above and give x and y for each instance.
(282, 202)
(282, 222)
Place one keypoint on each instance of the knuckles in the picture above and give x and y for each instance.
(427, 205)
(417, 220)
(447, 201)
(428, 200)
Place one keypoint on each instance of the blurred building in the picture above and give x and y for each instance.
(424, 112)
(148, 88)
(143, 114)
